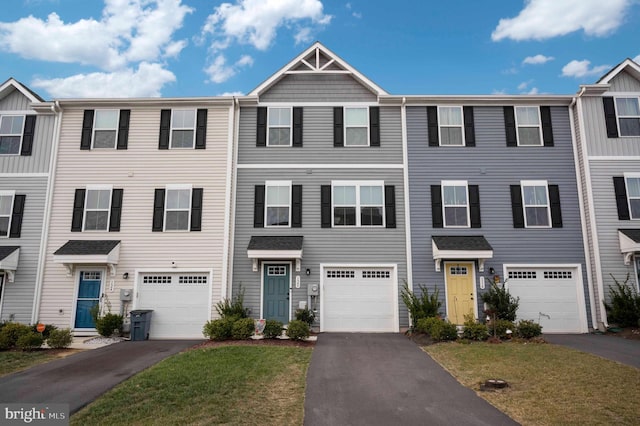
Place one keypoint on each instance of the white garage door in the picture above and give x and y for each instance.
(359, 300)
(180, 303)
(549, 296)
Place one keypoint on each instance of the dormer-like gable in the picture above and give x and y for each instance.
(624, 77)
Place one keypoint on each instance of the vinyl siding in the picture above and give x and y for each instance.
(318, 88)
(624, 82)
(596, 130)
(38, 161)
(15, 101)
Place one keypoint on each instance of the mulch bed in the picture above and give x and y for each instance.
(631, 333)
(251, 342)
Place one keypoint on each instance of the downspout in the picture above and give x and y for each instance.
(407, 206)
(227, 200)
(233, 173)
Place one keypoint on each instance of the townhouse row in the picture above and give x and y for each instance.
(318, 189)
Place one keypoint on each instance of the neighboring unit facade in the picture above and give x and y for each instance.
(27, 129)
(607, 116)
(139, 218)
(320, 198)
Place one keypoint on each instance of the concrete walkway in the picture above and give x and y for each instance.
(386, 379)
(81, 378)
(617, 349)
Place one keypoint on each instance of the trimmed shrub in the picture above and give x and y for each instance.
(219, 329)
(499, 328)
(500, 302)
(528, 329)
(108, 324)
(272, 329)
(48, 328)
(60, 338)
(233, 308)
(243, 328)
(306, 315)
(298, 330)
(437, 329)
(424, 306)
(425, 325)
(473, 330)
(624, 309)
(30, 341)
(10, 334)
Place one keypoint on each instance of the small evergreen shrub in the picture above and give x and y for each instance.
(30, 341)
(298, 330)
(60, 338)
(500, 302)
(219, 329)
(425, 325)
(473, 330)
(624, 309)
(272, 329)
(109, 324)
(528, 329)
(499, 328)
(445, 331)
(10, 334)
(233, 308)
(306, 315)
(48, 328)
(243, 328)
(424, 306)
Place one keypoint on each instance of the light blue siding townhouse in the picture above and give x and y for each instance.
(27, 129)
(319, 197)
(494, 197)
(608, 133)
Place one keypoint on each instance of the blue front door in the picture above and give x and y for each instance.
(276, 292)
(88, 297)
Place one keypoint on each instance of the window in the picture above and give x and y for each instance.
(183, 123)
(277, 203)
(177, 208)
(358, 204)
(628, 113)
(451, 126)
(6, 209)
(11, 127)
(105, 128)
(279, 127)
(535, 198)
(633, 195)
(96, 208)
(356, 127)
(528, 125)
(455, 202)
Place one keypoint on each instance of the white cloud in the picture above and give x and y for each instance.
(637, 59)
(499, 92)
(532, 91)
(237, 93)
(582, 69)
(357, 15)
(524, 85)
(244, 61)
(303, 36)
(219, 71)
(146, 81)
(537, 59)
(543, 19)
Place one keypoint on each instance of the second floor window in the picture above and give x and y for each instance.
(177, 209)
(277, 203)
(356, 127)
(528, 124)
(6, 208)
(105, 128)
(11, 127)
(97, 207)
(358, 204)
(633, 196)
(279, 127)
(183, 122)
(628, 112)
(536, 204)
(455, 203)
(451, 126)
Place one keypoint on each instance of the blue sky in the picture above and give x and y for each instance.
(176, 48)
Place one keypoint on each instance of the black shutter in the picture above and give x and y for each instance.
(196, 208)
(516, 206)
(261, 127)
(436, 206)
(610, 117)
(554, 201)
(474, 206)
(547, 129)
(325, 206)
(27, 135)
(510, 126)
(621, 198)
(432, 122)
(338, 129)
(123, 129)
(116, 210)
(390, 205)
(374, 126)
(258, 207)
(201, 129)
(16, 216)
(297, 127)
(469, 126)
(78, 210)
(87, 129)
(158, 210)
(296, 206)
(165, 130)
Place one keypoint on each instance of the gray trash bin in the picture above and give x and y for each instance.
(140, 324)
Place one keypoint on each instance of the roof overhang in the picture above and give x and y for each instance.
(88, 252)
(9, 261)
(461, 247)
(629, 243)
(627, 65)
(275, 247)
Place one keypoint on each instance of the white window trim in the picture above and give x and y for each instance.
(24, 120)
(618, 116)
(11, 194)
(461, 126)
(444, 215)
(626, 188)
(274, 183)
(544, 183)
(168, 188)
(86, 198)
(290, 126)
(367, 126)
(358, 206)
(172, 128)
(93, 133)
(539, 126)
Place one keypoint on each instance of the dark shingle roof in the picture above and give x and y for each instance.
(461, 242)
(87, 247)
(7, 250)
(275, 243)
(634, 234)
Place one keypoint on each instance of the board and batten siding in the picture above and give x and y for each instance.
(494, 167)
(318, 88)
(15, 101)
(624, 82)
(138, 170)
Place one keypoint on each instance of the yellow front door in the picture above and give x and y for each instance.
(460, 300)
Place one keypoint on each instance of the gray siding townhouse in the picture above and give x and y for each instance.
(607, 117)
(319, 209)
(27, 129)
(494, 197)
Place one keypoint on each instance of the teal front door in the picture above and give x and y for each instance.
(276, 292)
(88, 297)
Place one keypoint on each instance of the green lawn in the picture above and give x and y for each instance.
(246, 385)
(549, 384)
(11, 361)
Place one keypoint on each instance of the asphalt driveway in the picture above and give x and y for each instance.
(386, 379)
(81, 378)
(614, 348)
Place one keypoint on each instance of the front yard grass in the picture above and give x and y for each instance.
(247, 385)
(13, 361)
(548, 384)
